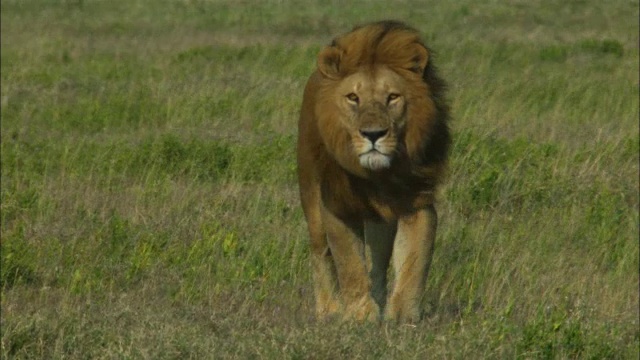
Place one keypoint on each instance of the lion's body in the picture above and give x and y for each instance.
(372, 148)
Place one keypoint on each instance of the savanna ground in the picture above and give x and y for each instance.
(150, 208)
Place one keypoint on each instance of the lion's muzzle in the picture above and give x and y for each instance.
(373, 148)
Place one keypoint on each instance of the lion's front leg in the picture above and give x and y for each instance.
(322, 265)
(347, 248)
(412, 253)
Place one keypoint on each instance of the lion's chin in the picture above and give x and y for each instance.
(374, 160)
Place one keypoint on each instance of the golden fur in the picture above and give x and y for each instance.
(372, 147)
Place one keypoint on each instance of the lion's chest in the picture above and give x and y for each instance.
(386, 199)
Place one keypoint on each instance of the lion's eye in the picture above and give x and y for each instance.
(392, 97)
(353, 98)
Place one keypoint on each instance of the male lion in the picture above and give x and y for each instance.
(372, 147)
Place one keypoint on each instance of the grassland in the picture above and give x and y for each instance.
(150, 209)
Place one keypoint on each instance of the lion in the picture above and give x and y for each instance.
(372, 149)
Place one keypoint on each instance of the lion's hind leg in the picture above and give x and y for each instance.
(379, 245)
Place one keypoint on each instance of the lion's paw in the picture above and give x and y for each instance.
(365, 309)
(396, 313)
(328, 310)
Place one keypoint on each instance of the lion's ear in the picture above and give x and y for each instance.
(329, 62)
(420, 59)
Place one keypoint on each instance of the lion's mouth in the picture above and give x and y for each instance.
(375, 160)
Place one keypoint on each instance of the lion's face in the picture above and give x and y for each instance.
(373, 106)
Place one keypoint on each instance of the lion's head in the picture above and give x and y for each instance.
(379, 99)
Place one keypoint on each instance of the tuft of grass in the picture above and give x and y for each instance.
(594, 47)
(607, 46)
(17, 260)
(554, 53)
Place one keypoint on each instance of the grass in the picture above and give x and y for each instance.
(150, 207)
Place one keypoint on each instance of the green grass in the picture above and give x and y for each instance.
(149, 206)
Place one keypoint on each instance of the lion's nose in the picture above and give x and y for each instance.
(373, 135)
